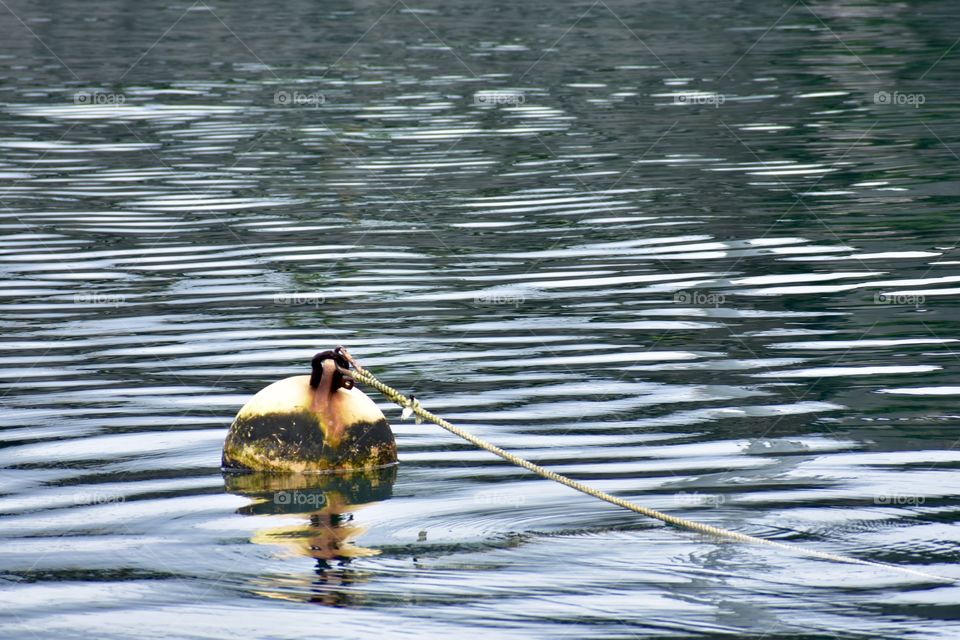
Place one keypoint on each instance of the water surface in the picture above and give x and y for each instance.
(699, 256)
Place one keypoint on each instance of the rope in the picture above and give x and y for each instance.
(412, 406)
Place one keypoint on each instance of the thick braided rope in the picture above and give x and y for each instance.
(361, 374)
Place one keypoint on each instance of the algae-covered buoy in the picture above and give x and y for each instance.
(314, 423)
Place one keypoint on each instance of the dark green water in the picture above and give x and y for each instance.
(698, 255)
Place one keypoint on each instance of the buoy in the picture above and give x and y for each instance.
(310, 424)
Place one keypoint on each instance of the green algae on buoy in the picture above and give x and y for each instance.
(310, 424)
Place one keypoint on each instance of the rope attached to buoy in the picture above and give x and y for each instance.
(411, 407)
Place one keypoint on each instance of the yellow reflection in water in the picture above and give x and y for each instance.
(323, 506)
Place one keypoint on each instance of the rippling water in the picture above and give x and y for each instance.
(699, 256)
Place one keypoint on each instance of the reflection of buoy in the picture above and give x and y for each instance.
(319, 422)
(324, 504)
(320, 510)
